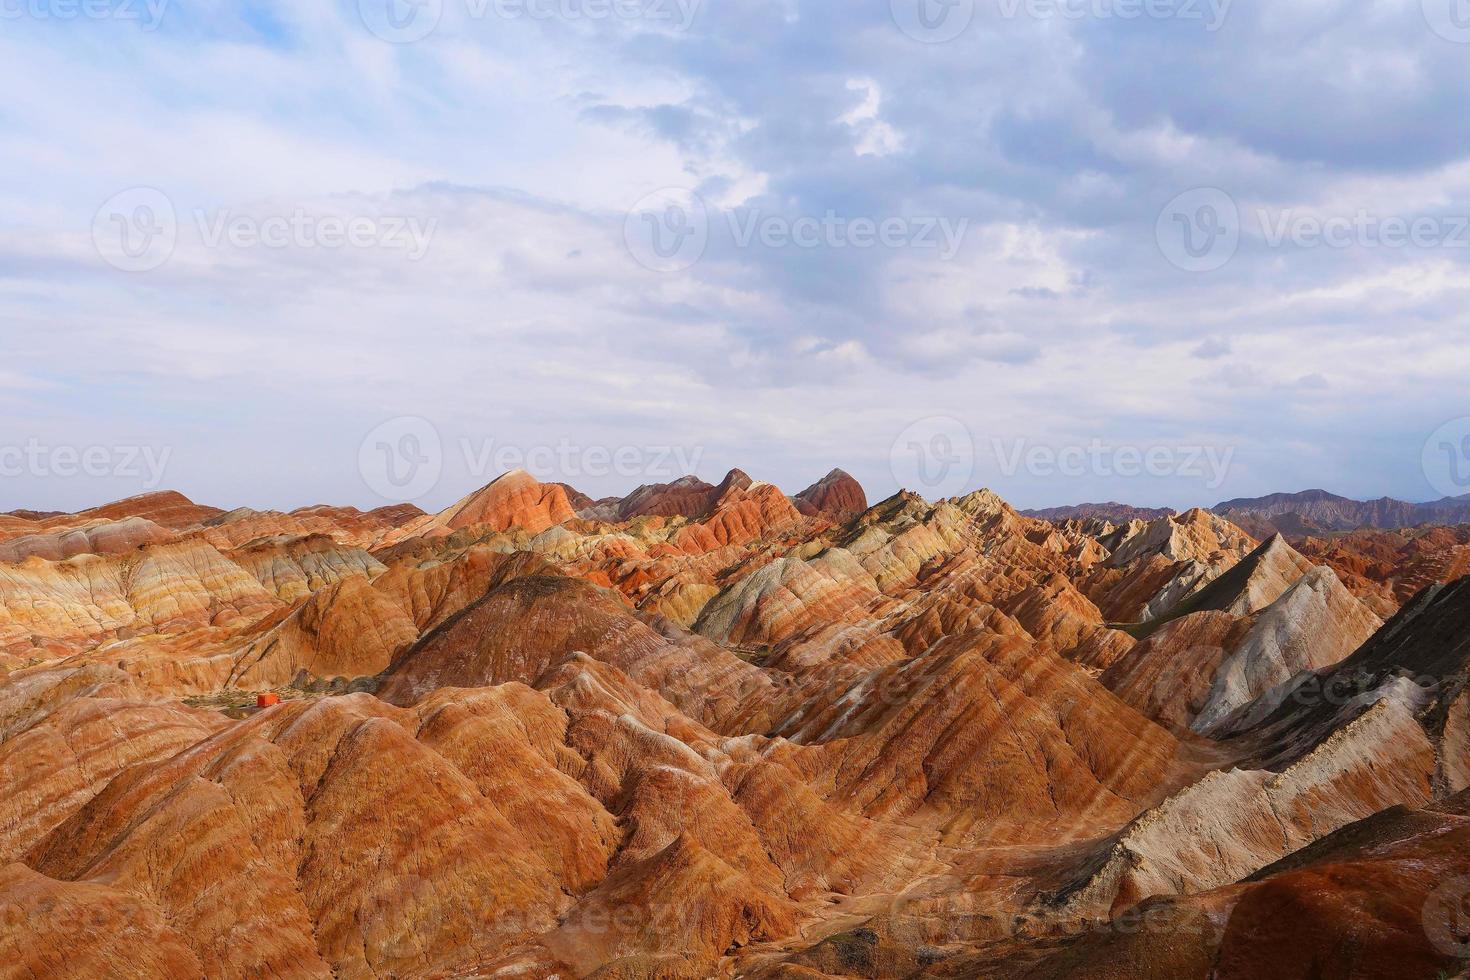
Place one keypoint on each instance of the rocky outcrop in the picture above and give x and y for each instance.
(294, 568)
(62, 605)
(100, 538)
(836, 496)
(1378, 898)
(1388, 568)
(1330, 512)
(514, 500)
(1195, 535)
(1314, 624)
(1233, 823)
(713, 731)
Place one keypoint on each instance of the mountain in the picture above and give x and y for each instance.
(716, 730)
(1292, 514)
(836, 495)
(1295, 513)
(1115, 512)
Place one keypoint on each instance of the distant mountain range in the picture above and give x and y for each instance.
(1311, 511)
(1111, 511)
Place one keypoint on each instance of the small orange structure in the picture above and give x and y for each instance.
(267, 700)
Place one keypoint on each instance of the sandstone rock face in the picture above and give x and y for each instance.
(1314, 624)
(1169, 676)
(53, 768)
(100, 538)
(688, 497)
(716, 731)
(1388, 568)
(91, 597)
(514, 500)
(64, 929)
(165, 508)
(837, 495)
(347, 630)
(1196, 535)
(1255, 583)
(294, 568)
(1231, 824)
(344, 525)
(1367, 901)
(1455, 752)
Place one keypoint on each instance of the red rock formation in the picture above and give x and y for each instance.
(836, 496)
(515, 500)
(723, 733)
(165, 508)
(101, 538)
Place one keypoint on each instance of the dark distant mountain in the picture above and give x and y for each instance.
(1318, 510)
(1119, 513)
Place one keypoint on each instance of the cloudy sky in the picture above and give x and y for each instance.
(1163, 251)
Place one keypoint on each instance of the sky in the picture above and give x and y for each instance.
(1168, 252)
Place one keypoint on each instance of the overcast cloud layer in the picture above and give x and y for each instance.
(1163, 251)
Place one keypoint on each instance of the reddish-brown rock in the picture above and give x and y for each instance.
(709, 731)
(836, 496)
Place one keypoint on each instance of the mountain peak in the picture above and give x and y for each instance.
(836, 495)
